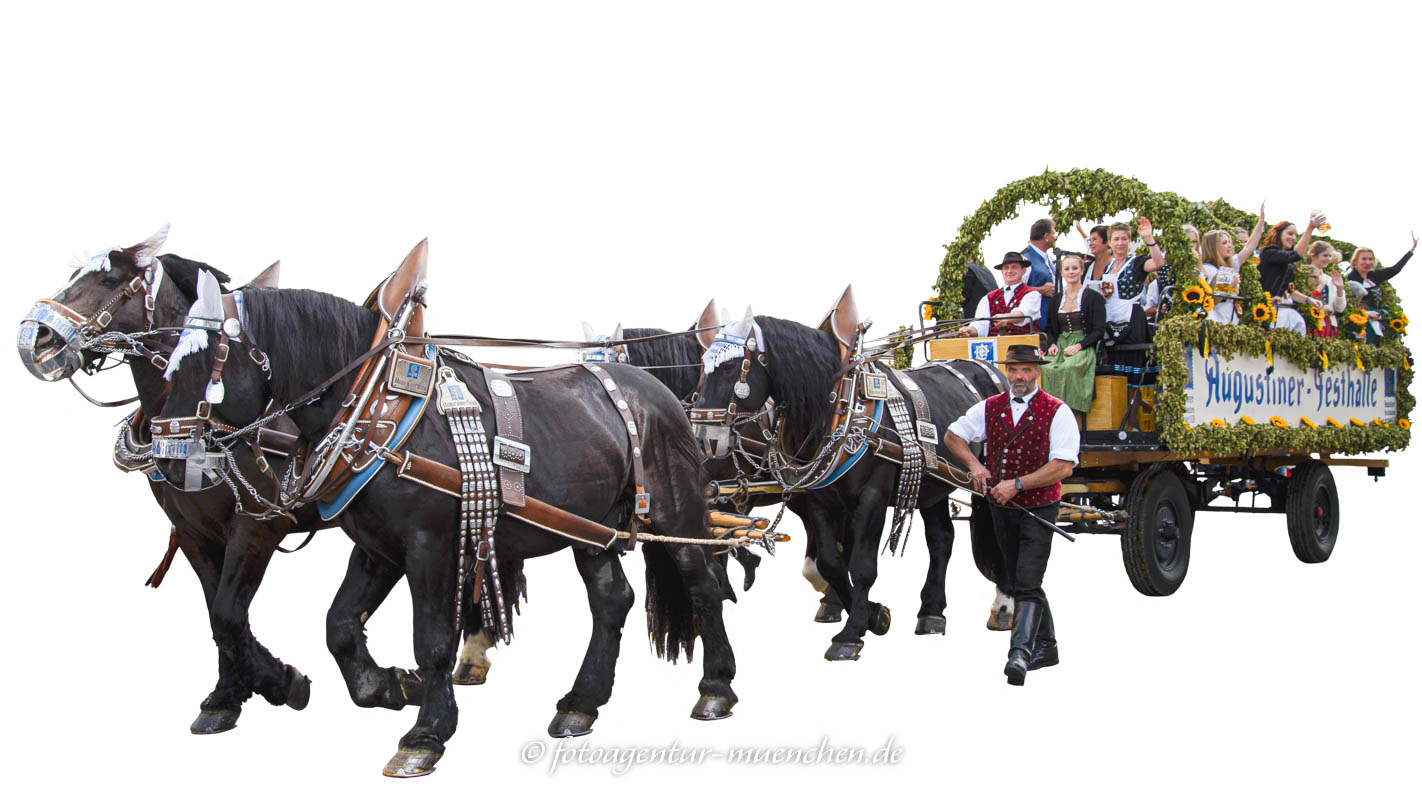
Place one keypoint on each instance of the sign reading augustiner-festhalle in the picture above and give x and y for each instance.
(1244, 386)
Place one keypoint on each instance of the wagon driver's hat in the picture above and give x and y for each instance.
(1023, 354)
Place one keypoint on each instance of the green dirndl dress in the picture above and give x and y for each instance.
(1071, 379)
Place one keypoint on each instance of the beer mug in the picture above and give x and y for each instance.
(1323, 227)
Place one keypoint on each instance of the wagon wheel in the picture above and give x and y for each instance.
(985, 550)
(1311, 508)
(1155, 545)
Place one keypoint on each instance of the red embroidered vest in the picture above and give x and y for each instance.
(1016, 450)
(996, 306)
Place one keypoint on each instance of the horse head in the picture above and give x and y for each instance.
(735, 387)
(114, 292)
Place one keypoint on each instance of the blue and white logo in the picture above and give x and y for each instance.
(983, 351)
(412, 371)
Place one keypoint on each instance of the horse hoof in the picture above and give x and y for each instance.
(298, 688)
(567, 724)
(712, 707)
(411, 764)
(882, 620)
(470, 674)
(999, 619)
(931, 624)
(216, 721)
(828, 613)
(844, 651)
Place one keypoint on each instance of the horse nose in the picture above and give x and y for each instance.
(45, 353)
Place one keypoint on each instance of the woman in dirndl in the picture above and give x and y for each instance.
(1075, 321)
(1122, 282)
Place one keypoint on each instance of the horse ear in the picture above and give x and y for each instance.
(589, 335)
(617, 333)
(707, 322)
(270, 277)
(750, 316)
(144, 251)
(725, 316)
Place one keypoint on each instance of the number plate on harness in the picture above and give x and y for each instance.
(164, 447)
(411, 375)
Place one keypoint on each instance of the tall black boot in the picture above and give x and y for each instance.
(1024, 630)
(1044, 652)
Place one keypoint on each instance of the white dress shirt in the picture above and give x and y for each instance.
(1031, 306)
(1064, 443)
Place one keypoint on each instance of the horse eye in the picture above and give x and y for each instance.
(108, 282)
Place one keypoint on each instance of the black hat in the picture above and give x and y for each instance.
(1013, 257)
(1023, 354)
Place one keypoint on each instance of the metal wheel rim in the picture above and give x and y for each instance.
(1322, 513)
(1165, 535)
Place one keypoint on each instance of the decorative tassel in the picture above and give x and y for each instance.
(1358, 355)
(156, 579)
(1323, 354)
(1206, 350)
(1269, 352)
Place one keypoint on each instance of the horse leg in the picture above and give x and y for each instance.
(218, 712)
(472, 667)
(938, 533)
(829, 562)
(368, 581)
(718, 663)
(830, 609)
(431, 573)
(610, 597)
(867, 525)
(250, 545)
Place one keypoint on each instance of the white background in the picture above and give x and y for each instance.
(625, 162)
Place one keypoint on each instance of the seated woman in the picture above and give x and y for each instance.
(1220, 264)
(1075, 321)
(1363, 273)
(1325, 296)
(1121, 283)
(1282, 247)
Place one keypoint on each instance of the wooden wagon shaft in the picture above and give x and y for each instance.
(728, 520)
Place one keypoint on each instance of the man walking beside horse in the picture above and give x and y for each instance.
(1032, 443)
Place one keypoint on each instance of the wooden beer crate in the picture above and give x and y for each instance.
(1109, 404)
(987, 348)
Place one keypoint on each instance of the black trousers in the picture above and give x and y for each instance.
(1025, 544)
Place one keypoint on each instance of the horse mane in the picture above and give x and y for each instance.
(184, 273)
(340, 332)
(673, 350)
(803, 363)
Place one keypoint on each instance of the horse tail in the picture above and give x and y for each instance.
(671, 620)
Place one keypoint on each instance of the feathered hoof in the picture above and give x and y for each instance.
(567, 724)
(828, 613)
(298, 688)
(844, 651)
(712, 707)
(470, 674)
(882, 620)
(931, 624)
(215, 721)
(999, 619)
(411, 764)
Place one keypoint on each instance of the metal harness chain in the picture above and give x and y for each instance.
(910, 473)
(478, 506)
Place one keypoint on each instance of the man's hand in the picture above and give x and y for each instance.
(981, 476)
(967, 330)
(1003, 493)
(1047, 289)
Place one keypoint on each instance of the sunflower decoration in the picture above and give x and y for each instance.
(1335, 423)
(1194, 295)
(1219, 423)
(1308, 423)
(1398, 324)
(1279, 422)
(1405, 424)
(1208, 304)
(1378, 421)
(1262, 312)
(1247, 420)
(1316, 312)
(1358, 318)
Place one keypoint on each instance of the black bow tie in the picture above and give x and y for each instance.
(1018, 400)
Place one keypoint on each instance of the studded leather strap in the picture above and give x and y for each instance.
(643, 503)
(509, 450)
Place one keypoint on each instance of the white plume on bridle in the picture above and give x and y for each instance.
(730, 343)
(143, 254)
(207, 306)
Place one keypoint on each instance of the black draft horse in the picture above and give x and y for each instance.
(582, 464)
(228, 552)
(847, 516)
